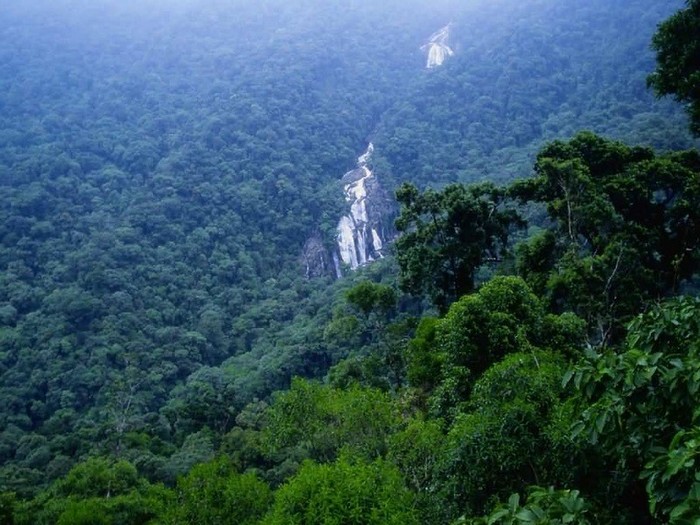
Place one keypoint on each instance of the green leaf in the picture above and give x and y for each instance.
(567, 377)
(600, 422)
(526, 516)
(514, 502)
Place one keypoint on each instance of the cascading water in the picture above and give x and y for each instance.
(359, 241)
(366, 230)
(437, 47)
(363, 233)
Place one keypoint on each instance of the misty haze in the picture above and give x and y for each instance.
(322, 262)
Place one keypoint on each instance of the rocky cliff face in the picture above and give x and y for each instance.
(315, 258)
(364, 231)
(437, 48)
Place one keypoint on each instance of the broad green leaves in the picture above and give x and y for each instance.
(542, 507)
(644, 405)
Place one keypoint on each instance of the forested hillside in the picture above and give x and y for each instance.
(161, 171)
(164, 358)
(525, 73)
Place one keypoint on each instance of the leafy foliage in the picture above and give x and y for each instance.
(644, 404)
(495, 446)
(355, 493)
(324, 420)
(504, 317)
(97, 491)
(447, 235)
(627, 229)
(213, 493)
(678, 60)
(524, 74)
(161, 169)
(368, 296)
(543, 507)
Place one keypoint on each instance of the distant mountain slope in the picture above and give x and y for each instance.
(524, 73)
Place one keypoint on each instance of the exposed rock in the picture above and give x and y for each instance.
(315, 258)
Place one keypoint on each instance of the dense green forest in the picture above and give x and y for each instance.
(529, 352)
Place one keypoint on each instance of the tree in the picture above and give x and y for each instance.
(423, 360)
(643, 408)
(384, 336)
(677, 46)
(206, 399)
(319, 421)
(447, 235)
(8, 500)
(495, 446)
(504, 317)
(626, 228)
(370, 297)
(348, 492)
(417, 451)
(213, 493)
(95, 492)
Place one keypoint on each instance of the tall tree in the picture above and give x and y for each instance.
(213, 493)
(626, 228)
(677, 46)
(348, 491)
(504, 317)
(447, 235)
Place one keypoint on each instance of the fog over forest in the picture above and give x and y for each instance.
(401, 252)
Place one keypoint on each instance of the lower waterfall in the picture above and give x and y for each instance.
(359, 236)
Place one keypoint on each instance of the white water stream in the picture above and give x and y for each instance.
(354, 241)
(438, 48)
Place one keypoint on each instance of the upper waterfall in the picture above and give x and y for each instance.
(438, 48)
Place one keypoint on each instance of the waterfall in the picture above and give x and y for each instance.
(358, 241)
(438, 48)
